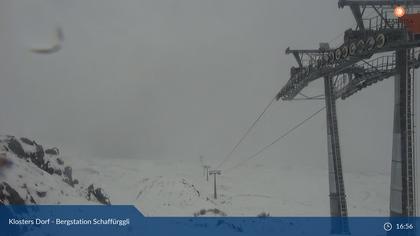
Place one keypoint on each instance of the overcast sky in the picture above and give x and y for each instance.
(178, 79)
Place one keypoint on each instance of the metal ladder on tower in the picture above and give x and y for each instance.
(338, 203)
(338, 164)
(410, 165)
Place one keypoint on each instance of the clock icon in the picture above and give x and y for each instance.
(387, 226)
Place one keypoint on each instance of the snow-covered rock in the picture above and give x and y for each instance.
(29, 175)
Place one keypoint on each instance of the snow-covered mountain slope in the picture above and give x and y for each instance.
(30, 175)
(153, 186)
(178, 188)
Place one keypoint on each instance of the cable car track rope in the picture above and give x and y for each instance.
(247, 132)
(276, 140)
(262, 114)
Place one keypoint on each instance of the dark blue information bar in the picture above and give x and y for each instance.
(127, 220)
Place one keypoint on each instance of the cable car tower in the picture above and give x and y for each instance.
(378, 48)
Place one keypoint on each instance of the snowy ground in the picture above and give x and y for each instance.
(178, 188)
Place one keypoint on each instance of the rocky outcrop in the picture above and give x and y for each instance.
(26, 149)
(9, 196)
(99, 194)
(52, 151)
(15, 146)
(213, 212)
(68, 176)
(29, 174)
(29, 150)
(27, 141)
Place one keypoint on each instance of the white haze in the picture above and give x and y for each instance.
(166, 79)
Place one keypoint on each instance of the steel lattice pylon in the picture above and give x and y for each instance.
(338, 204)
(380, 47)
(402, 202)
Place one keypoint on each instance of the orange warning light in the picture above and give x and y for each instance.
(399, 11)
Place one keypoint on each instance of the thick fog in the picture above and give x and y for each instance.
(157, 79)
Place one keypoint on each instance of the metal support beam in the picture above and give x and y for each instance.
(402, 200)
(355, 9)
(214, 173)
(206, 171)
(342, 3)
(215, 189)
(338, 204)
(298, 59)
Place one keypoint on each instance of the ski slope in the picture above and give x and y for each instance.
(178, 188)
(170, 187)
